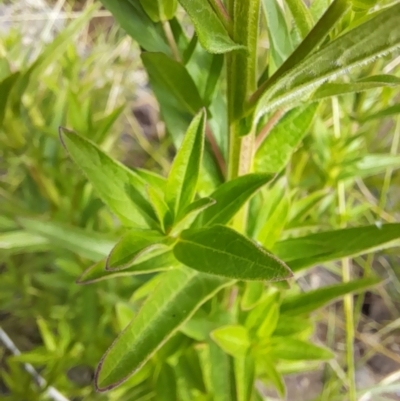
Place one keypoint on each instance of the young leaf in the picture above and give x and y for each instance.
(121, 189)
(160, 207)
(275, 151)
(174, 301)
(182, 179)
(293, 350)
(165, 384)
(146, 265)
(273, 374)
(327, 246)
(252, 294)
(333, 89)
(289, 325)
(272, 229)
(222, 251)
(278, 33)
(6, 85)
(87, 244)
(21, 241)
(230, 197)
(234, 340)
(170, 79)
(190, 213)
(211, 31)
(134, 245)
(386, 112)
(302, 16)
(159, 10)
(305, 303)
(315, 37)
(132, 18)
(217, 372)
(361, 45)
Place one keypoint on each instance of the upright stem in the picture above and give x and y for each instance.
(241, 82)
(346, 272)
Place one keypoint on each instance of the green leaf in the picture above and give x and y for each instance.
(273, 375)
(133, 245)
(160, 10)
(302, 16)
(234, 340)
(222, 251)
(170, 79)
(21, 241)
(369, 165)
(123, 191)
(211, 32)
(289, 325)
(217, 372)
(6, 85)
(87, 244)
(133, 19)
(252, 294)
(160, 207)
(307, 302)
(315, 37)
(259, 313)
(293, 350)
(182, 179)
(383, 113)
(327, 246)
(190, 213)
(361, 45)
(165, 384)
(178, 296)
(278, 33)
(149, 264)
(272, 229)
(275, 151)
(230, 197)
(334, 89)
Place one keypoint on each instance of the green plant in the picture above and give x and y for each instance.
(203, 241)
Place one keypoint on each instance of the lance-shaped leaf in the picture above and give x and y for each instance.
(134, 245)
(275, 151)
(121, 189)
(222, 251)
(363, 44)
(278, 33)
(327, 246)
(144, 265)
(333, 89)
(234, 340)
(182, 179)
(301, 15)
(180, 293)
(307, 302)
(212, 33)
(190, 213)
(133, 19)
(160, 10)
(311, 42)
(217, 371)
(175, 90)
(230, 197)
(87, 244)
(293, 350)
(386, 112)
(6, 85)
